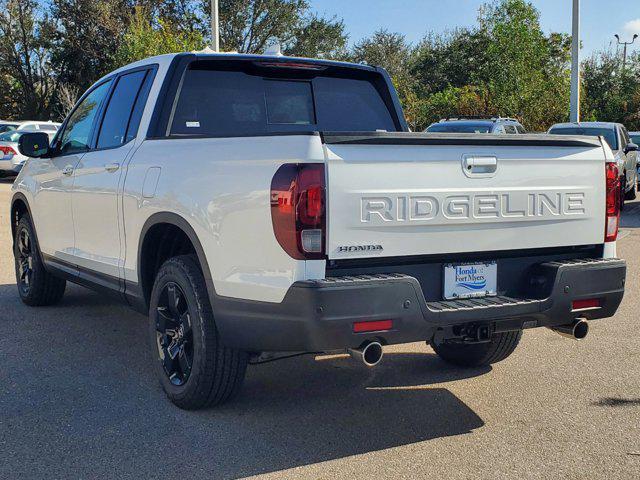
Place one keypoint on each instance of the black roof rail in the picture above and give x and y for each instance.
(492, 118)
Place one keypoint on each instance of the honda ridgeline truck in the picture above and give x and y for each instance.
(260, 206)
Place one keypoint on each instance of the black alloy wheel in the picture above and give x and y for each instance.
(174, 334)
(24, 261)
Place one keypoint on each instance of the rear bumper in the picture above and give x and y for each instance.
(318, 315)
(9, 167)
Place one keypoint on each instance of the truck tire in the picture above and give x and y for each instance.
(196, 370)
(633, 193)
(36, 286)
(479, 354)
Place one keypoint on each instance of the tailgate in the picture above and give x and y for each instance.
(401, 194)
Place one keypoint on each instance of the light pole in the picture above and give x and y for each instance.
(215, 29)
(575, 63)
(626, 44)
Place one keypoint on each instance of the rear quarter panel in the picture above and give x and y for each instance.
(221, 186)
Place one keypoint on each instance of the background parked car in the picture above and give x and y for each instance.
(11, 160)
(495, 125)
(8, 126)
(625, 151)
(35, 125)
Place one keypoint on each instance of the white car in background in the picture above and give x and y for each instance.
(11, 160)
(34, 125)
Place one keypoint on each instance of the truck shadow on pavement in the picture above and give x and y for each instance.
(77, 383)
(630, 217)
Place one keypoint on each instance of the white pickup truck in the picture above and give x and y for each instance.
(257, 207)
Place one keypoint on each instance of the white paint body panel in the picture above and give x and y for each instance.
(417, 200)
(221, 186)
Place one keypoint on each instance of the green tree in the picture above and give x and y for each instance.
(145, 39)
(27, 82)
(87, 36)
(250, 26)
(525, 71)
(611, 93)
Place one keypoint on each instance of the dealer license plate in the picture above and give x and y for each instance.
(470, 280)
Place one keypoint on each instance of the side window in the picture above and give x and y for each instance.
(77, 132)
(118, 112)
(626, 140)
(521, 129)
(138, 108)
(510, 129)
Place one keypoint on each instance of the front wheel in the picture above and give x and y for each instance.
(36, 286)
(196, 370)
(497, 349)
(633, 193)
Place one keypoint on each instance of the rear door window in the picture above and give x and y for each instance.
(238, 103)
(118, 113)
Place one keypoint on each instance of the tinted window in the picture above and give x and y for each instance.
(77, 132)
(521, 129)
(625, 136)
(608, 133)
(510, 129)
(116, 118)
(7, 128)
(461, 127)
(230, 103)
(635, 138)
(11, 136)
(138, 108)
(289, 102)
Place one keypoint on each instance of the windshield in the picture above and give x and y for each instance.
(460, 127)
(608, 133)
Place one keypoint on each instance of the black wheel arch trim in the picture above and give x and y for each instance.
(135, 293)
(19, 196)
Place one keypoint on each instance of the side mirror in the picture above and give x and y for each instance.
(34, 145)
(632, 147)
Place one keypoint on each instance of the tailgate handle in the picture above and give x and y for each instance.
(479, 166)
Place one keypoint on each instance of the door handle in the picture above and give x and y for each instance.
(68, 170)
(112, 167)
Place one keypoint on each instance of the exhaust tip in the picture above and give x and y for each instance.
(370, 354)
(577, 330)
(580, 329)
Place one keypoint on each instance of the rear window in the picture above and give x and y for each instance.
(236, 103)
(49, 128)
(608, 133)
(460, 128)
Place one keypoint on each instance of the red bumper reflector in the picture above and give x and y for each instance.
(373, 326)
(586, 303)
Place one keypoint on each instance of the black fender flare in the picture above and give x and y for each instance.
(179, 222)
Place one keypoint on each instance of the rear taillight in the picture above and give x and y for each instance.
(298, 209)
(613, 202)
(7, 151)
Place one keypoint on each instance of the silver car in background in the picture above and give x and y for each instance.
(624, 149)
(11, 160)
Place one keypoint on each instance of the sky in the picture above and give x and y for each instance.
(600, 19)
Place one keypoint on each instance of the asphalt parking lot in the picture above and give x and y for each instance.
(79, 399)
